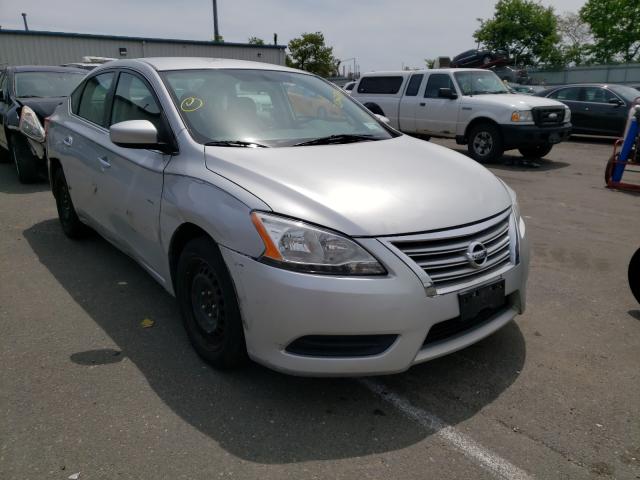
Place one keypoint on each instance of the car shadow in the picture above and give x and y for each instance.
(596, 140)
(254, 413)
(9, 182)
(517, 162)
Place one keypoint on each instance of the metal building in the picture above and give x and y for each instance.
(20, 47)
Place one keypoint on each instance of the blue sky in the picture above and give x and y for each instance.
(381, 34)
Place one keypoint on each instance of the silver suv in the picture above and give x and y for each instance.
(291, 224)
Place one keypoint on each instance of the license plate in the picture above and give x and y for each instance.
(487, 297)
(554, 138)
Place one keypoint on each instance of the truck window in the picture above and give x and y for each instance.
(385, 85)
(436, 82)
(414, 85)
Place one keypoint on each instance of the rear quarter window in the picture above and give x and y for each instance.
(380, 85)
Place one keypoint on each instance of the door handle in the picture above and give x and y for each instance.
(104, 163)
(422, 104)
(68, 141)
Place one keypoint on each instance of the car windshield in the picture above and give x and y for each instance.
(231, 107)
(479, 83)
(627, 92)
(46, 84)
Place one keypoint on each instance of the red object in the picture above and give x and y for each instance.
(614, 160)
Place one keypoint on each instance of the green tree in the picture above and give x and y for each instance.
(525, 29)
(615, 25)
(309, 52)
(256, 41)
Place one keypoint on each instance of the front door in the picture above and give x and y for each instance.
(436, 115)
(601, 116)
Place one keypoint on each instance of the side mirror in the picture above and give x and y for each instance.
(382, 118)
(616, 101)
(136, 134)
(447, 93)
(30, 126)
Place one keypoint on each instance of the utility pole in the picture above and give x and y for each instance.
(24, 19)
(216, 33)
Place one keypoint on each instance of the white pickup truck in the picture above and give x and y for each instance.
(471, 105)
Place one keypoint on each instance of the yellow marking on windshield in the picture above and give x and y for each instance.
(191, 104)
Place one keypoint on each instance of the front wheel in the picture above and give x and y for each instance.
(536, 151)
(485, 143)
(24, 160)
(209, 306)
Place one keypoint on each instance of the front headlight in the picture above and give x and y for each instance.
(296, 245)
(522, 116)
(567, 115)
(30, 125)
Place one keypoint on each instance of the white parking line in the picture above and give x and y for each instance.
(469, 447)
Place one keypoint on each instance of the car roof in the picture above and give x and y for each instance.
(44, 68)
(432, 70)
(199, 63)
(602, 85)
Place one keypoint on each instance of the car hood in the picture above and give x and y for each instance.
(515, 101)
(42, 106)
(387, 187)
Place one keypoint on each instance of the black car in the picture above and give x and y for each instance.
(596, 108)
(477, 58)
(41, 89)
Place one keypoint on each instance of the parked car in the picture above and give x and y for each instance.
(36, 90)
(476, 58)
(525, 89)
(89, 62)
(511, 74)
(349, 87)
(318, 246)
(596, 108)
(473, 106)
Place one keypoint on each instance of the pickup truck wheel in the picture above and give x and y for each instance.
(537, 151)
(209, 306)
(25, 162)
(71, 224)
(485, 143)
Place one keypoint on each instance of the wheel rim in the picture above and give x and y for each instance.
(207, 304)
(483, 143)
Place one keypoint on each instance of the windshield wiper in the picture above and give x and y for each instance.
(234, 143)
(334, 139)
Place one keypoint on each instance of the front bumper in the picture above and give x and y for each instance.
(516, 136)
(280, 306)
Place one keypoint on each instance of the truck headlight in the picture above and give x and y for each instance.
(296, 245)
(567, 115)
(522, 116)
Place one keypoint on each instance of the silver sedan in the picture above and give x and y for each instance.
(293, 226)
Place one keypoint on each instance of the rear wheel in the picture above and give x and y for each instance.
(209, 306)
(25, 162)
(634, 275)
(536, 151)
(71, 224)
(485, 143)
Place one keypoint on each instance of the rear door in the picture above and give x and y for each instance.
(570, 96)
(436, 115)
(409, 103)
(601, 116)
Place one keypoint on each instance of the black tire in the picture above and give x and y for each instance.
(27, 165)
(634, 275)
(608, 170)
(537, 151)
(374, 108)
(209, 306)
(71, 224)
(485, 143)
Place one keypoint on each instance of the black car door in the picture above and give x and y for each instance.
(602, 116)
(570, 96)
(4, 106)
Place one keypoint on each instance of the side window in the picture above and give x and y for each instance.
(381, 85)
(436, 82)
(75, 98)
(133, 100)
(414, 85)
(597, 95)
(93, 103)
(571, 94)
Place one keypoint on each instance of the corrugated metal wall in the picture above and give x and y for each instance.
(49, 49)
(629, 73)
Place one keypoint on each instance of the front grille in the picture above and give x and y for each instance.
(454, 327)
(443, 256)
(341, 345)
(544, 117)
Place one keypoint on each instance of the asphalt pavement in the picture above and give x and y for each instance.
(88, 387)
